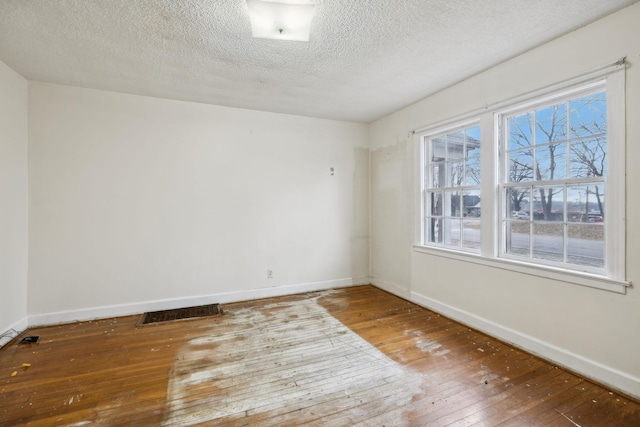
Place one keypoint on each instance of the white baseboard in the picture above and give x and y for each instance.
(391, 288)
(18, 326)
(93, 313)
(357, 281)
(603, 374)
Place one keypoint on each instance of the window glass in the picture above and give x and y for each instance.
(452, 205)
(559, 153)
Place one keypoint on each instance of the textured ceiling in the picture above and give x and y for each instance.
(365, 58)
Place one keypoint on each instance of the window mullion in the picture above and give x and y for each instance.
(615, 180)
(489, 188)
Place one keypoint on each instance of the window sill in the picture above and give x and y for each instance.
(583, 279)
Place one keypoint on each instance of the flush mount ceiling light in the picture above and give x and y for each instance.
(280, 21)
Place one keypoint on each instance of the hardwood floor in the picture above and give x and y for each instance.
(356, 356)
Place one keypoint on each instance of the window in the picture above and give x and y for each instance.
(452, 188)
(535, 185)
(554, 181)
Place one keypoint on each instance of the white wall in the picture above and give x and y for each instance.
(593, 331)
(138, 199)
(13, 200)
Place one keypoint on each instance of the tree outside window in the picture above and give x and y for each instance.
(556, 167)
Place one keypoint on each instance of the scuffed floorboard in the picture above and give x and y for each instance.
(285, 363)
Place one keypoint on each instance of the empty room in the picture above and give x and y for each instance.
(319, 212)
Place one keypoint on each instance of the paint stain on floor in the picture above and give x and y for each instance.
(314, 371)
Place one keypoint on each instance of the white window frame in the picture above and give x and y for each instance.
(425, 151)
(565, 96)
(613, 278)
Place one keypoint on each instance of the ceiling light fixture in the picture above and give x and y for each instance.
(279, 20)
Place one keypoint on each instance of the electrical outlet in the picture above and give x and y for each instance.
(269, 274)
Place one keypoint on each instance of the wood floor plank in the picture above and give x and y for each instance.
(355, 356)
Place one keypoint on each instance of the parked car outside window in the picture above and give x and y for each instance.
(520, 215)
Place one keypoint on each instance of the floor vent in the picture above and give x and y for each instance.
(180, 313)
(31, 339)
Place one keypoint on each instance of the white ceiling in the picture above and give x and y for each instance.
(365, 58)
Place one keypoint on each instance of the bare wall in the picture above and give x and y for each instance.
(138, 199)
(13, 200)
(593, 330)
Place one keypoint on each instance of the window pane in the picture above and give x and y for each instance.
(435, 197)
(589, 157)
(471, 234)
(473, 155)
(588, 116)
(520, 134)
(548, 241)
(548, 203)
(452, 203)
(437, 149)
(517, 238)
(472, 177)
(452, 232)
(456, 170)
(455, 146)
(471, 203)
(517, 200)
(586, 245)
(473, 139)
(587, 203)
(551, 124)
(551, 162)
(436, 179)
(521, 165)
(434, 230)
